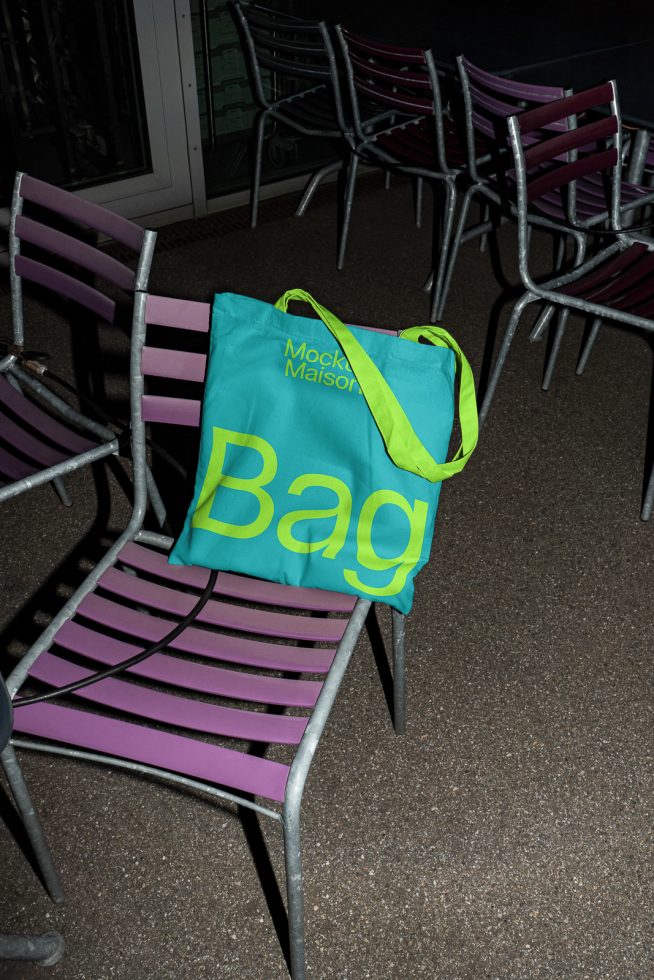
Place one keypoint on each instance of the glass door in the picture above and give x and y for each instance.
(93, 100)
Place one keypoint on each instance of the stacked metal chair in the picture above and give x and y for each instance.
(419, 138)
(42, 436)
(488, 101)
(554, 147)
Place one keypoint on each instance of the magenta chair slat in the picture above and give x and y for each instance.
(86, 256)
(182, 314)
(85, 212)
(65, 285)
(201, 702)
(171, 411)
(185, 366)
(170, 709)
(153, 747)
(223, 614)
(238, 586)
(149, 628)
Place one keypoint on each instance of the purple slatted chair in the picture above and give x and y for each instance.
(617, 282)
(488, 102)
(42, 437)
(420, 139)
(191, 713)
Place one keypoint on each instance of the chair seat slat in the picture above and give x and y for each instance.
(237, 586)
(204, 678)
(171, 709)
(163, 750)
(223, 614)
(199, 642)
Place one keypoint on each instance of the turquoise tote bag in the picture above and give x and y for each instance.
(323, 448)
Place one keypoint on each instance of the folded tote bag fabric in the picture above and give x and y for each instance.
(323, 448)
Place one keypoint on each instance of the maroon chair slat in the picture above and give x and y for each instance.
(571, 105)
(149, 628)
(76, 251)
(85, 212)
(66, 285)
(236, 586)
(558, 147)
(152, 747)
(565, 174)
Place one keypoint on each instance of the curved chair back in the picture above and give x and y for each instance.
(558, 144)
(289, 55)
(56, 242)
(403, 82)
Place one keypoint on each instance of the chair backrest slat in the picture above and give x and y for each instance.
(183, 314)
(171, 411)
(182, 365)
(85, 212)
(76, 251)
(60, 282)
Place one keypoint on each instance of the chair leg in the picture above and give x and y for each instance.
(312, 186)
(347, 209)
(556, 347)
(542, 322)
(294, 892)
(154, 497)
(256, 176)
(420, 183)
(399, 672)
(454, 251)
(438, 299)
(62, 493)
(46, 950)
(646, 512)
(524, 300)
(588, 346)
(31, 822)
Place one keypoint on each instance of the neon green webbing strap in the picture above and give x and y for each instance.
(403, 445)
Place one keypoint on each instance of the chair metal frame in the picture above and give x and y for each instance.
(46, 437)
(617, 282)
(230, 774)
(488, 101)
(301, 50)
(418, 139)
(46, 949)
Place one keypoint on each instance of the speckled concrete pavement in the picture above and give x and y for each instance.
(508, 834)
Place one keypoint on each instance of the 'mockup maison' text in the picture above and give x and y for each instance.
(310, 364)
